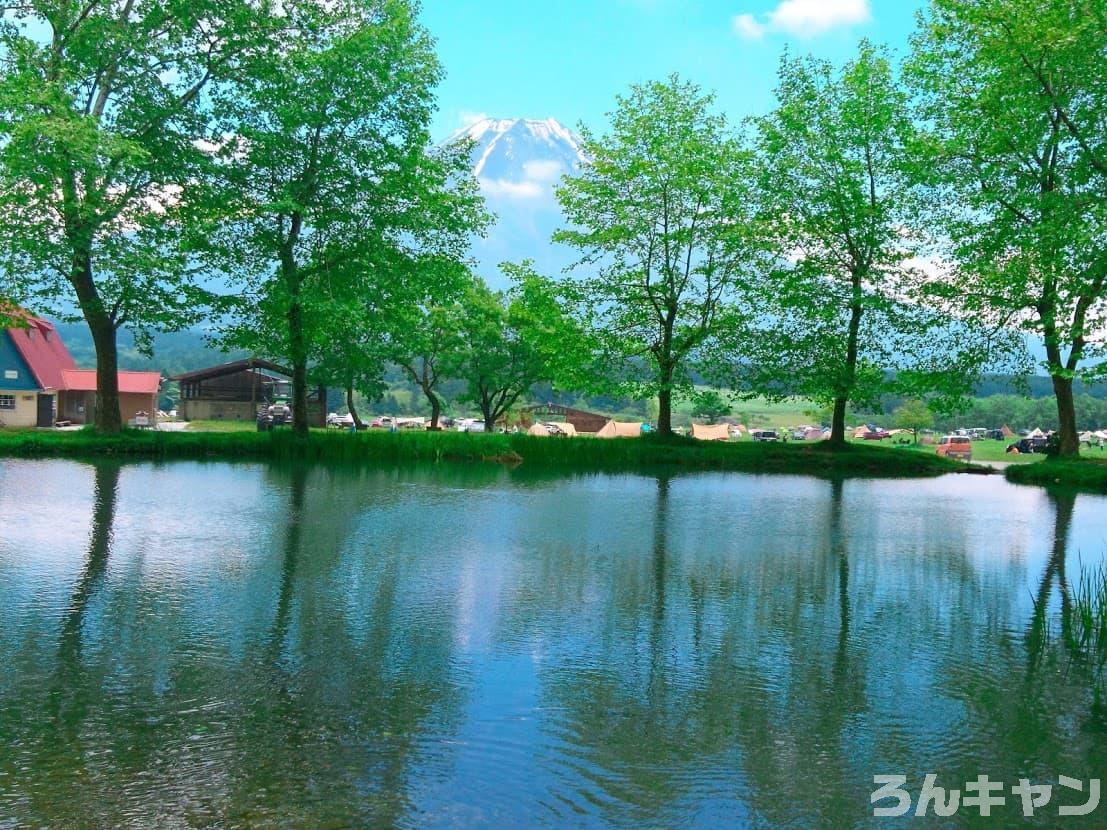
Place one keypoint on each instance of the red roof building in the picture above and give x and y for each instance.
(40, 384)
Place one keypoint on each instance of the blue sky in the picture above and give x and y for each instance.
(567, 59)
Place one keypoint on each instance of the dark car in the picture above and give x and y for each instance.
(764, 435)
(996, 434)
(1025, 446)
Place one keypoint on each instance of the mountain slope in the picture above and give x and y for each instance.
(517, 163)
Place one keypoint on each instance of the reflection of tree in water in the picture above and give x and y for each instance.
(1037, 634)
(69, 696)
(316, 718)
(696, 710)
(346, 701)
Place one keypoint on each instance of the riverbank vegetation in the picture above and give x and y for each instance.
(412, 446)
(885, 230)
(1081, 473)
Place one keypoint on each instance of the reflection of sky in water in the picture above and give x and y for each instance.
(471, 646)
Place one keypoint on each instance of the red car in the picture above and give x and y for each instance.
(877, 435)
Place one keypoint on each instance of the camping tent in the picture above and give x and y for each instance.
(711, 432)
(616, 429)
(1007, 431)
(812, 434)
(553, 428)
(860, 432)
(1037, 433)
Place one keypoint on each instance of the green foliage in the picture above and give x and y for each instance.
(1016, 173)
(101, 112)
(914, 415)
(325, 202)
(837, 213)
(710, 406)
(659, 214)
(508, 341)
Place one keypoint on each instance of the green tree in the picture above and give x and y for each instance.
(834, 163)
(659, 214)
(710, 406)
(1016, 94)
(914, 415)
(428, 332)
(325, 177)
(101, 111)
(509, 342)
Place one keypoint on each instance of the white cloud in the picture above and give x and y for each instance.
(512, 190)
(536, 183)
(804, 18)
(747, 27)
(543, 171)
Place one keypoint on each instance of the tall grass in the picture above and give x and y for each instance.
(1085, 473)
(568, 453)
(1089, 615)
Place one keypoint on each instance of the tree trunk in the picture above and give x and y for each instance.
(1066, 417)
(665, 401)
(436, 408)
(350, 406)
(838, 423)
(103, 331)
(299, 368)
(489, 422)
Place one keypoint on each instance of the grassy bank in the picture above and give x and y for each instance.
(577, 453)
(1084, 473)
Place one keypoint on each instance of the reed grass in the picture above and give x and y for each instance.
(583, 453)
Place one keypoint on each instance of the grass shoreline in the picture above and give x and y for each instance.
(1082, 473)
(570, 454)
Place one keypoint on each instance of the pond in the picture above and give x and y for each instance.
(208, 644)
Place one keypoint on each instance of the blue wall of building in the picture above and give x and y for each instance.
(12, 361)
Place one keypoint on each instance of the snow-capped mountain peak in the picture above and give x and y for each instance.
(514, 151)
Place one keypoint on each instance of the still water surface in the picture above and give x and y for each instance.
(192, 645)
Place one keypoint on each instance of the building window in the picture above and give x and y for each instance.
(7, 401)
(11, 374)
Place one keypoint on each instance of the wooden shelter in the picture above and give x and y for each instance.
(234, 392)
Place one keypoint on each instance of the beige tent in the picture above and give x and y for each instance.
(553, 428)
(616, 429)
(1006, 430)
(1037, 433)
(711, 432)
(860, 432)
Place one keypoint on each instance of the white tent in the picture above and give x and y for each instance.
(1037, 433)
(711, 432)
(617, 429)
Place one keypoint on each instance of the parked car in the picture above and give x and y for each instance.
(799, 434)
(996, 434)
(1025, 446)
(955, 446)
(876, 435)
(764, 435)
(382, 421)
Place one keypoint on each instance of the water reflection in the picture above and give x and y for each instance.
(193, 645)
